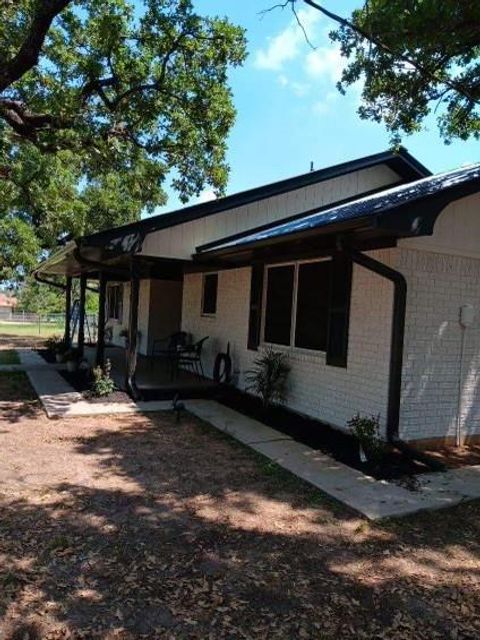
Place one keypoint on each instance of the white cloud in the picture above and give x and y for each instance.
(326, 62)
(205, 196)
(321, 107)
(300, 89)
(287, 45)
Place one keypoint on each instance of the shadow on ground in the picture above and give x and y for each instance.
(182, 533)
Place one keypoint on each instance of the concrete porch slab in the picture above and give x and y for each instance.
(375, 499)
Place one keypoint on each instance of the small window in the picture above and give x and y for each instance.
(115, 302)
(313, 296)
(209, 300)
(278, 316)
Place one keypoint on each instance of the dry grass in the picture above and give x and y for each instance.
(139, 527)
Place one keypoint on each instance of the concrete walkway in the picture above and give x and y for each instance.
(375, 499)
(59, 398)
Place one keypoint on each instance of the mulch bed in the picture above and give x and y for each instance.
(320, 436)
(79, 380)
(47, 355)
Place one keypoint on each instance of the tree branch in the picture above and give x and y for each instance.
(28, 54)
(458, 87)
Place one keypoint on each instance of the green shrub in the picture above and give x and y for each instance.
(56, 344)
(269, 376)
(102, 381)
(367, 431)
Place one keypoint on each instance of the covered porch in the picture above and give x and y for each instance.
(150, 311)
(153, 376)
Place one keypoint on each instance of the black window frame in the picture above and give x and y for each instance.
(115, 306)
(296, 264)
(206, 310)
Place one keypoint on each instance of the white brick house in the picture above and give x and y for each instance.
(361, 272)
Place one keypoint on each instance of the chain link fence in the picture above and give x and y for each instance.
(43, 325)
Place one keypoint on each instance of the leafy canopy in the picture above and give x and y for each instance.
(99, 101)
(414, 57)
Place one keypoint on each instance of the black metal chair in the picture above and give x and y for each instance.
(168, 348)
(191, 357)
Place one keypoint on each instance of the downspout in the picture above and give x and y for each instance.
(396, 356)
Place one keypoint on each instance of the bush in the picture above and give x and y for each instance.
(56, 344)
(269, 376)
(102, 381)
(367, 431)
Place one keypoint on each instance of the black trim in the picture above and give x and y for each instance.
(256, 299)
(129, 237)
(397, 336)
(339, 310)
(50, 283)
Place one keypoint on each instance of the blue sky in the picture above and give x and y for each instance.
(289, 110)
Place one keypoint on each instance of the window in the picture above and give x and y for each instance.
(313, 295)
(115, 302)
(297, 305)
(307, 305)
(209, 298)
(279, 301)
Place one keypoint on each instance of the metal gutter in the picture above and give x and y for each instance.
(396, 355)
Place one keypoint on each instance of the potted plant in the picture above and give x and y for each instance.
(72, 358)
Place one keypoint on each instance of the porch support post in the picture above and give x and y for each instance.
(102, 295)
(81, 314)
(130, 382)
(68, 311)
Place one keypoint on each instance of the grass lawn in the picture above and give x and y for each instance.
(21, 329)
(129, 527)
(9, 356)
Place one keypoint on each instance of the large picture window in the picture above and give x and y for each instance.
(297, 305)
(115, 302)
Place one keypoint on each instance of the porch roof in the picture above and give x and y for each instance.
(402, 211)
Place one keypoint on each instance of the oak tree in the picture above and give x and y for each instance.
(100, 101)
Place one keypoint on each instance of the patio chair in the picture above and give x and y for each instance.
(167, 349)
(191, 357)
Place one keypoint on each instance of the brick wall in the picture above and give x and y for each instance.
(438, 285)
(330, 393)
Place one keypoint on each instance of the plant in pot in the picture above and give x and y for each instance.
(72, 359)
(268, 378)
(56, 345)
(366, 430)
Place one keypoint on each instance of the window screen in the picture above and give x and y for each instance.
(210, 286)
(278, 311)
(313, 296)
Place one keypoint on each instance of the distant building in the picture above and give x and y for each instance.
(7, 304)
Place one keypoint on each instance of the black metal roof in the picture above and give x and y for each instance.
(374, 208)
(128, 237)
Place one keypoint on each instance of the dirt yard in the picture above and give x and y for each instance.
(139, 527)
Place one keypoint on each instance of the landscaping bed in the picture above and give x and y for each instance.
(80, 381)
(9, 356)
(47, 355)
(341, 446)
